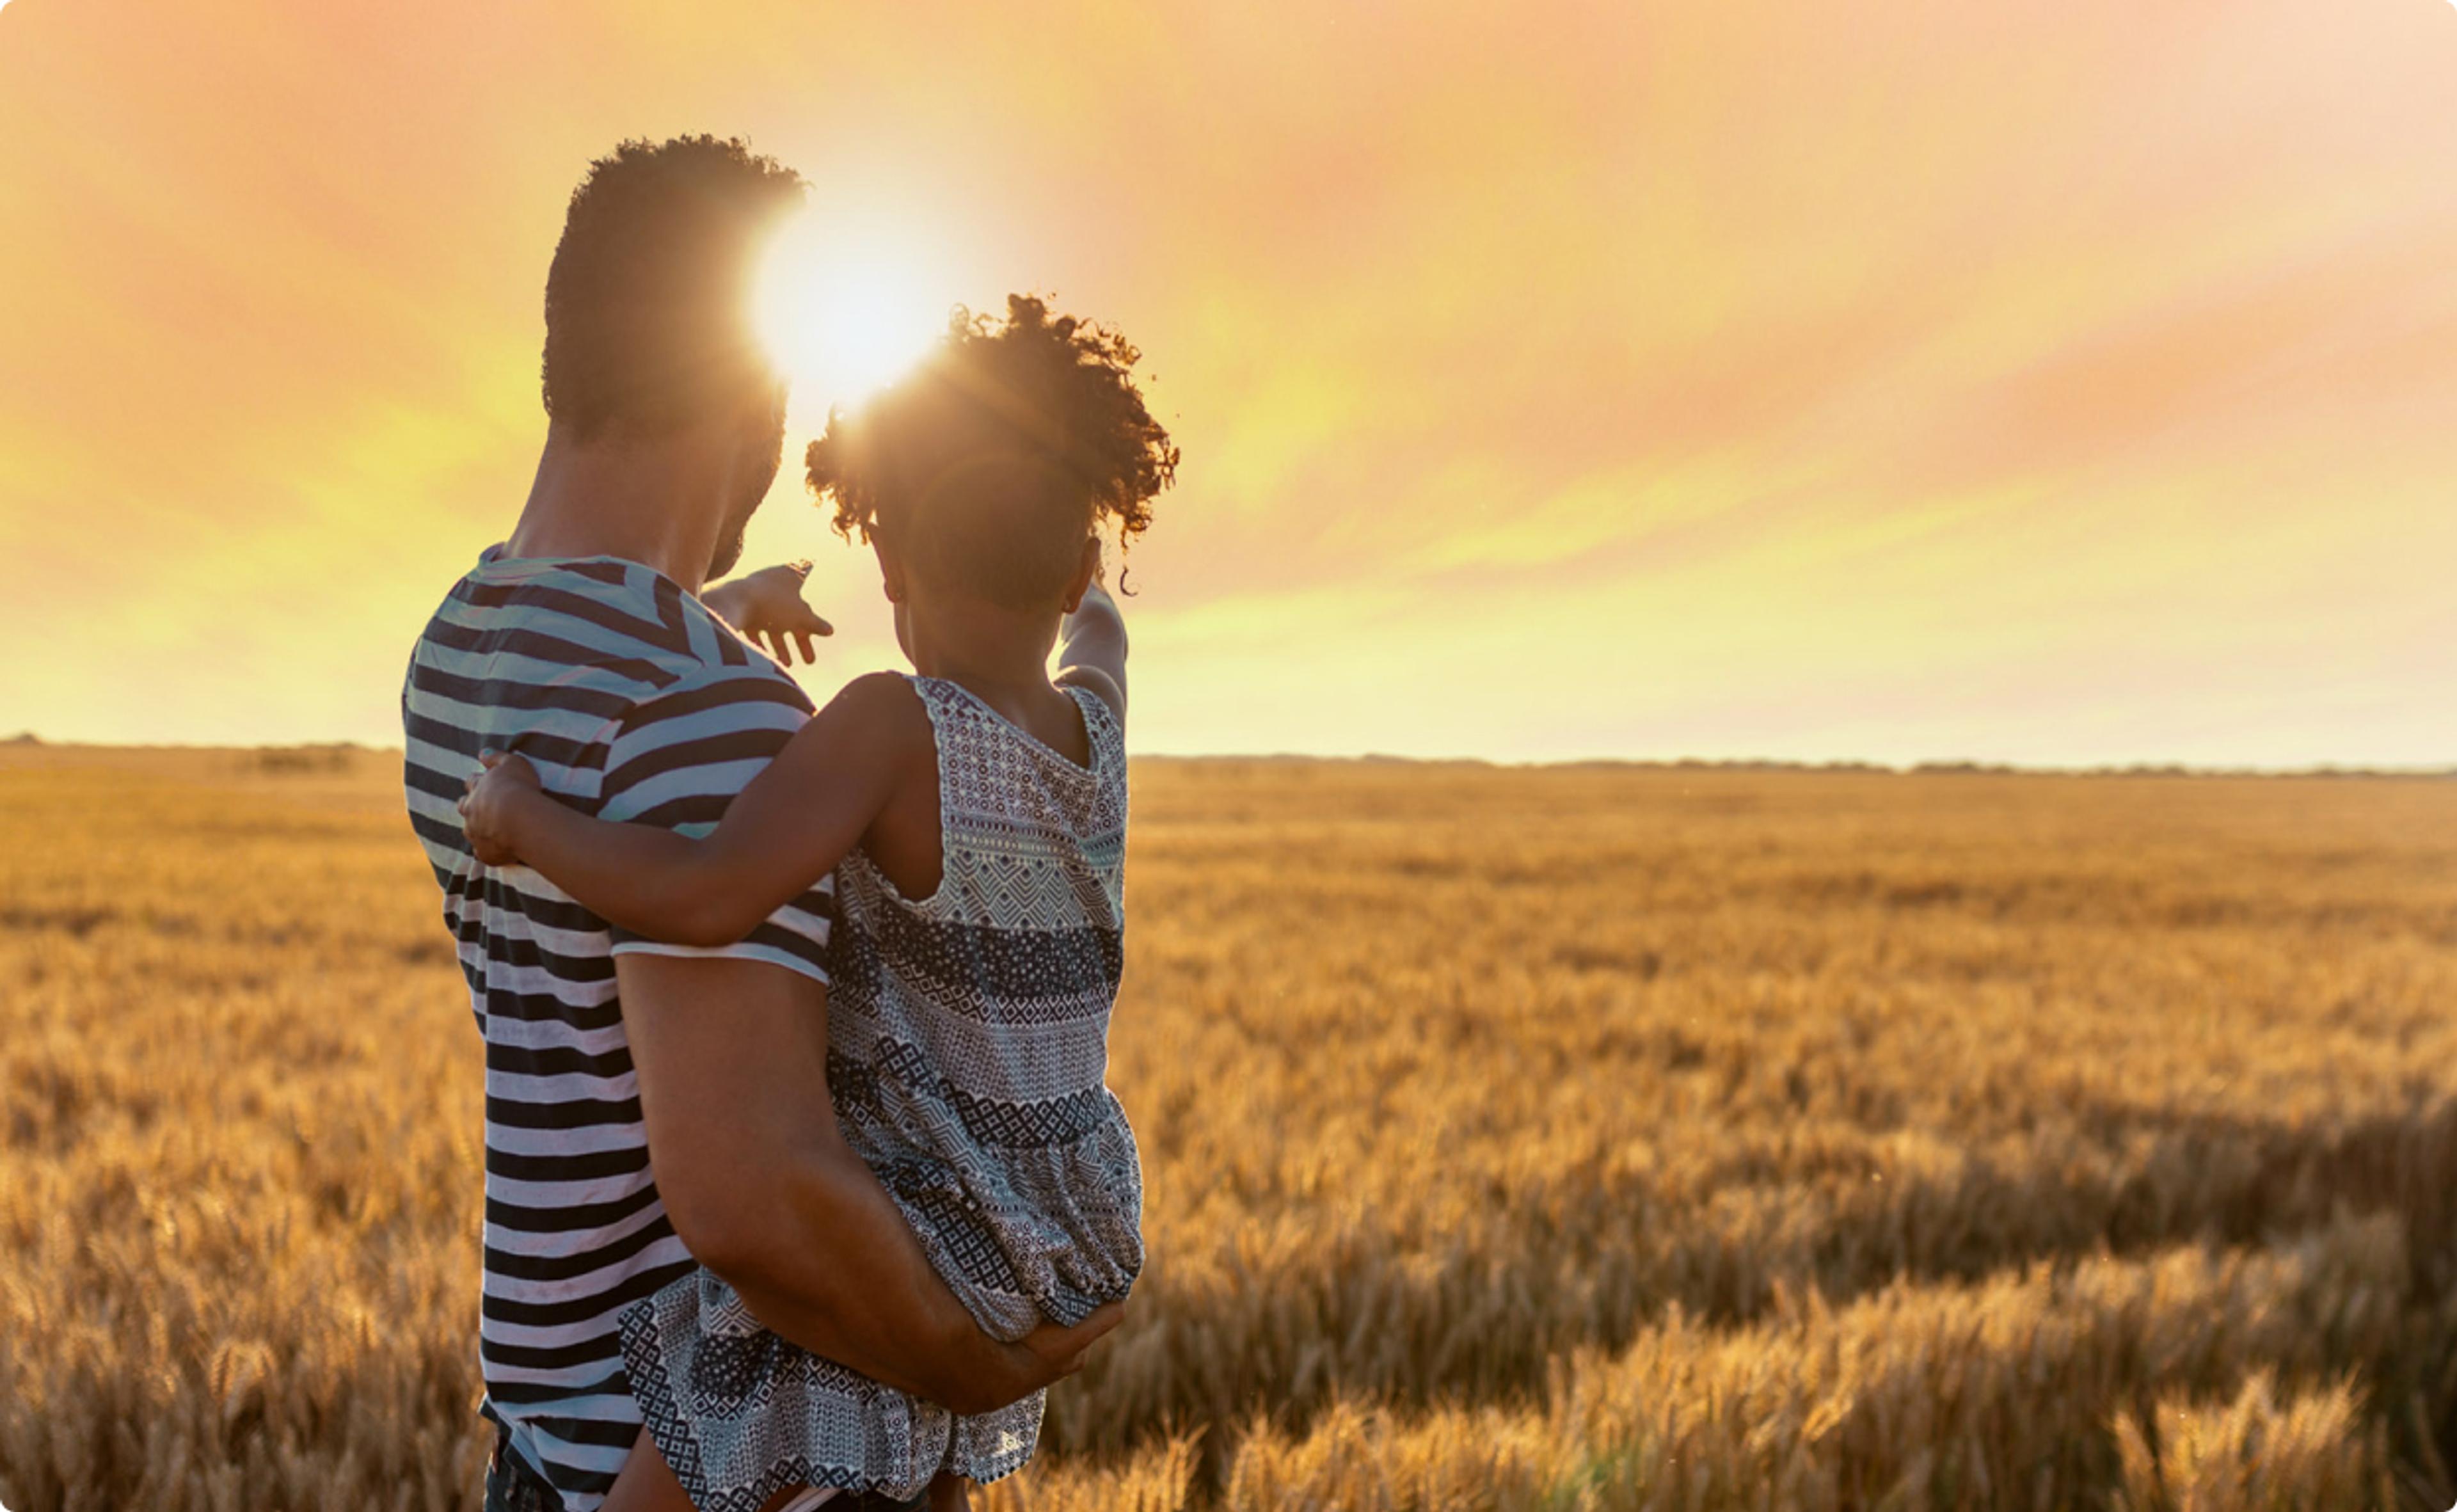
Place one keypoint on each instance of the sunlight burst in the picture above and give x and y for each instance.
(844, 310)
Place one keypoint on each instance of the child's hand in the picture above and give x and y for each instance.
(491, 809)
(768, 608)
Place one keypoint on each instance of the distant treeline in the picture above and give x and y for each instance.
(338, 756)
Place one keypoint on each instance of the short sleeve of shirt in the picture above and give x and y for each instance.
(679, 758)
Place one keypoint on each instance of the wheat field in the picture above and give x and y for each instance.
(1580, 1137)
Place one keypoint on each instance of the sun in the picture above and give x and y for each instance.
(845, 309)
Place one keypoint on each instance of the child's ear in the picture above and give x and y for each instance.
(890, 571)
(1086, 572)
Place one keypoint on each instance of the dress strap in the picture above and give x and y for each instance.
(1104, 733)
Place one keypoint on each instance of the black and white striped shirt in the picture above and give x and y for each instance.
(634, 702)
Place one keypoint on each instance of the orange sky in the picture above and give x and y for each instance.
(2048, 380)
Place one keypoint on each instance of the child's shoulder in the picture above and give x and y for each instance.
(885, 694)
(882, 710)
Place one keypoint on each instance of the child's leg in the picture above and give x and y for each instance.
(645, 1483)
(648, 1484)
(950, 1493)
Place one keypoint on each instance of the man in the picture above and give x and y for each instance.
(649, 1104)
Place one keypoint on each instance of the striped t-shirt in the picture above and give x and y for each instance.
(634, 702)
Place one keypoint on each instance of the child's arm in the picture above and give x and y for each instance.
(788, 829)
(646, 1483)
(1092, 649)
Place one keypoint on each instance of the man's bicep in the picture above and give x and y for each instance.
(730, 1059)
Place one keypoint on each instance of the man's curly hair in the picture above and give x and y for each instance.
(648, 319)
(995, 459)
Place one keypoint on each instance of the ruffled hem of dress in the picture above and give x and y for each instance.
(1065, 1220)
(655, 1345)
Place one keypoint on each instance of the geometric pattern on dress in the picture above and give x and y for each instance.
(976, 968)
(968, 1063)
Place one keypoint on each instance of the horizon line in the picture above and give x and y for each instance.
(1834, 766)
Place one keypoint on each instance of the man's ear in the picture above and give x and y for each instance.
(1085, 570)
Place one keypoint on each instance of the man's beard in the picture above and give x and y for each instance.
(770, 454)
(729, 548)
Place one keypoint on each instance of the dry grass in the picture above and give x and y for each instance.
(1571, 1138)
(2311, 1453)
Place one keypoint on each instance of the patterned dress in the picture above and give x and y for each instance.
(968, 1036)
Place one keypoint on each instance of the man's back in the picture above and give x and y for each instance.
(634, 702)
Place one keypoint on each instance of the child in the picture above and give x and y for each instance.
(973, 817)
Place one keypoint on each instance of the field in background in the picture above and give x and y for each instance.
(1545, 1139)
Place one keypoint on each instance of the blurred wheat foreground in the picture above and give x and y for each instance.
(1560, 1138)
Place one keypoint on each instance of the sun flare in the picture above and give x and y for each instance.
(842, 310)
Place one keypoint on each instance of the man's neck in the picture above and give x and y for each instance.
(659, 502)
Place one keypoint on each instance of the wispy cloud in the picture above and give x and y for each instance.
(2038, 380)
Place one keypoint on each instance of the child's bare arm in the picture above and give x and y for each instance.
(789, 828)
(1092, 649)
(645, 1483)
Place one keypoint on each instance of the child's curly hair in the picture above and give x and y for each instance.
(993, 462)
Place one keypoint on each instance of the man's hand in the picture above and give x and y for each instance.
(492, 803)
(768, 608)
(1041, 1359)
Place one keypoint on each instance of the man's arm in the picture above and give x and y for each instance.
(768, 609)
(730, 1050)
(731, 1062)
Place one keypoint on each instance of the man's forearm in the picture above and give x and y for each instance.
(868, 1298)
(760, 1185)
